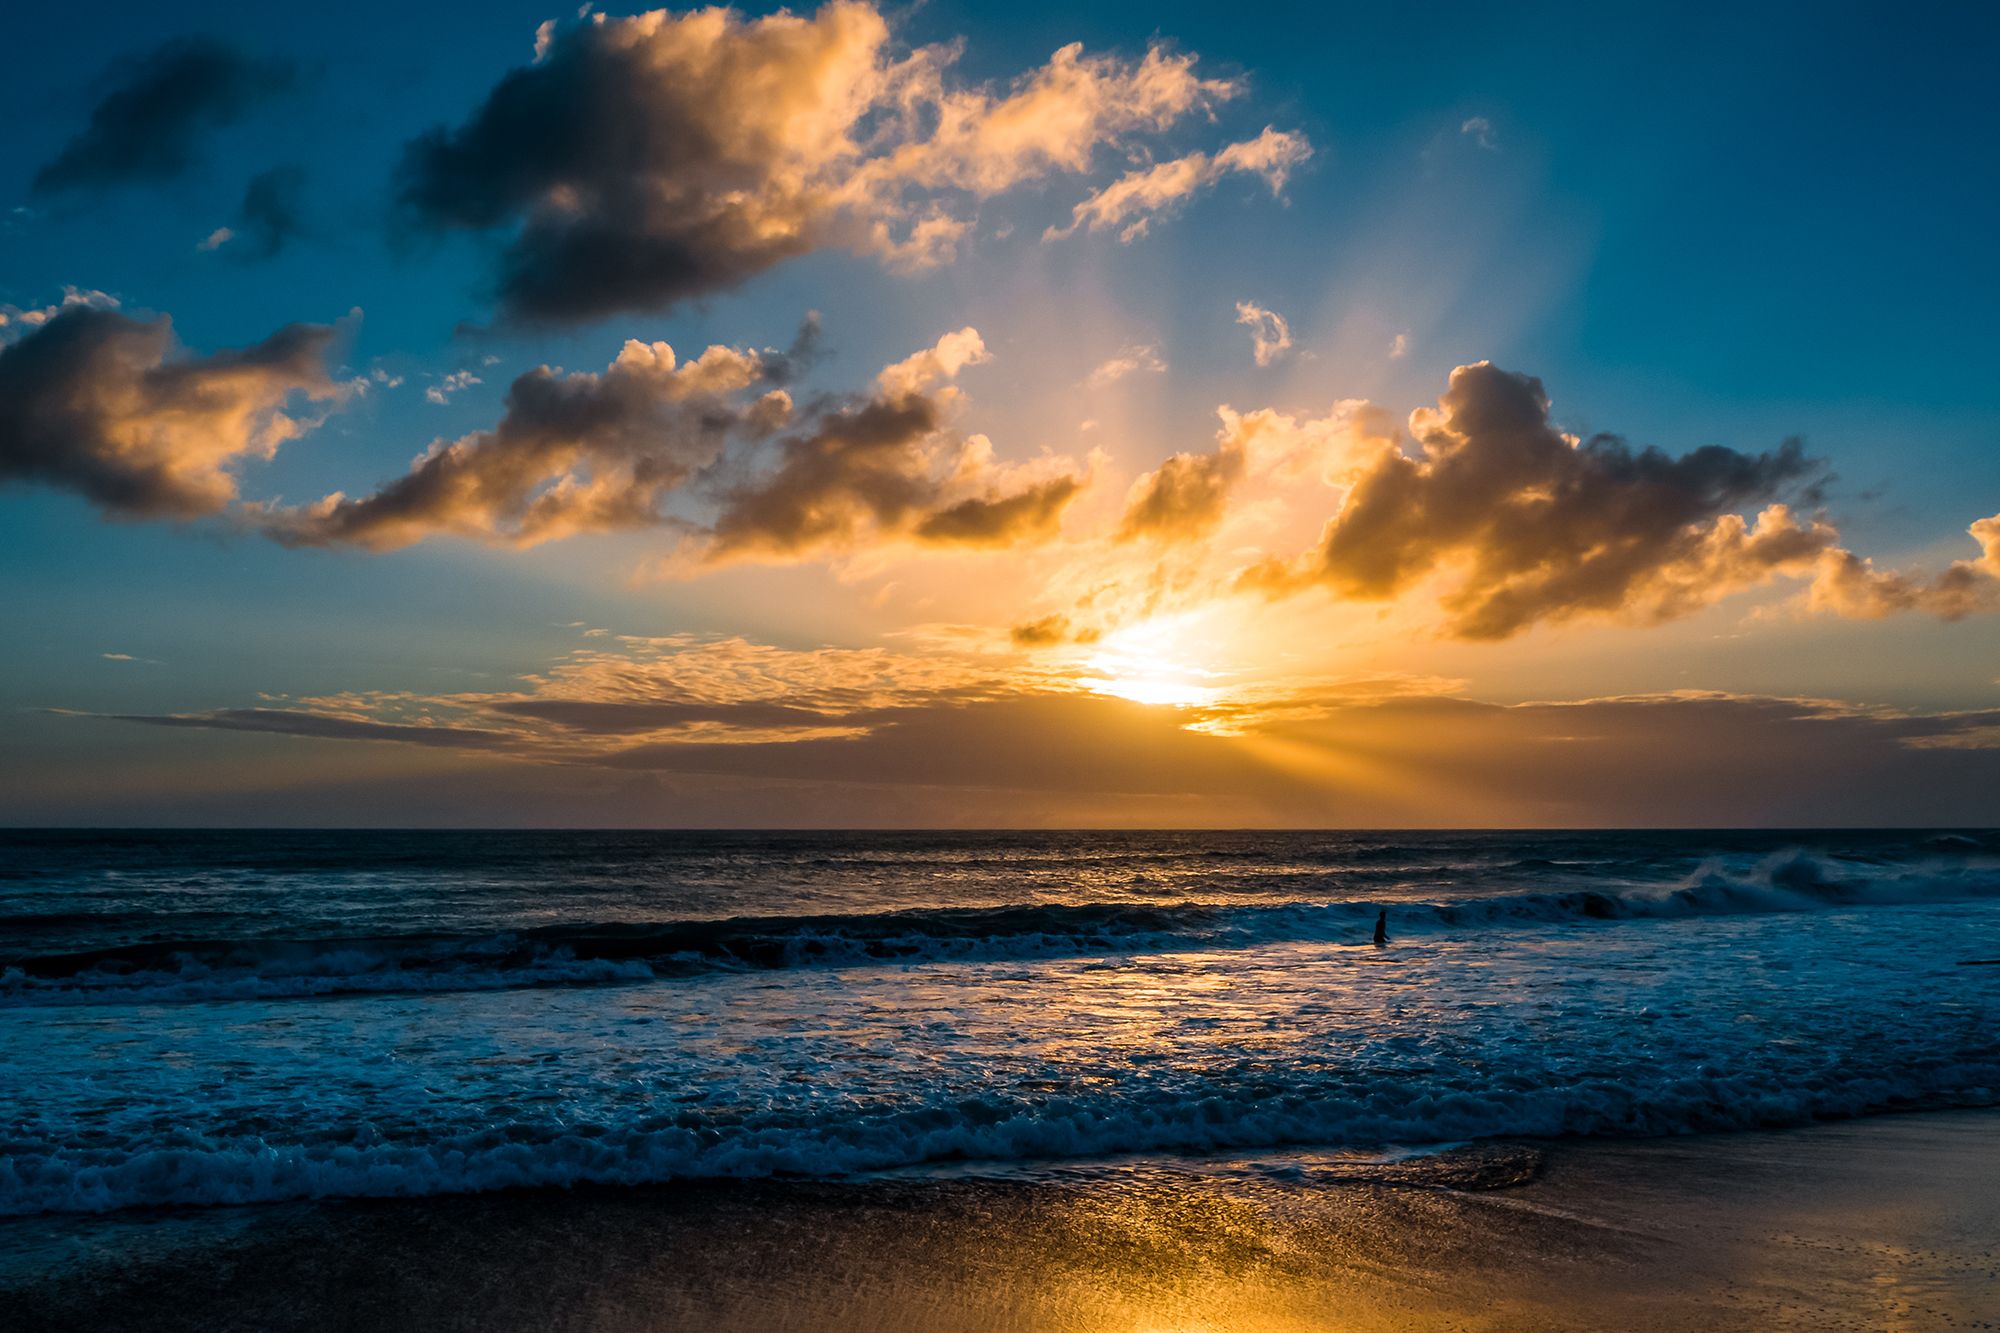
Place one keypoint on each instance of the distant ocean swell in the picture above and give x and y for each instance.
(260, 968)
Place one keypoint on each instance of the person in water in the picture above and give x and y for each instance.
(1382, 926)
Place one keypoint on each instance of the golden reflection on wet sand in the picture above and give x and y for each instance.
(1886, 1223)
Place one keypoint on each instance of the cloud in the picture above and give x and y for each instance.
(441, 392)
(294, 722)
(1134, 199)
(731, 671)
(1133, 360)
(577, 452)
(271, 215)
(884, 468)
(97, 402)
(149, 125)
(618, 691)
(1001, 520)
(1399, 347)
(1480, 130)
(643, 161)
(16, 322)
(600, 701)
(1184, 497)
(610, 717)
(1531, 524)
(1049, 631)
(934, 365)
(1509, 522)
(998, 740)
(1846, 584)
(1188, 496)
(1270, 335)
(596, 452)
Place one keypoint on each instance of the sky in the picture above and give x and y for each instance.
(942, 415)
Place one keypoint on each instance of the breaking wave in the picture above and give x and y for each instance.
(264, 968)
(1400, 1107)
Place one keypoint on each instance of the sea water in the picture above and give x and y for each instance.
(197, 1018)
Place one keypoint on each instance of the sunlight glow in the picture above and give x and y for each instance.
(1148, 688)
(1153, 662)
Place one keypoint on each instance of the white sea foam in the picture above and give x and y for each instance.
(200, 1170)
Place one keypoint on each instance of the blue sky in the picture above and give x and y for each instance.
(1698, 227)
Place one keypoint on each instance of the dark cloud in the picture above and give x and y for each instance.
(149, 125)
(862, 463)
(580, 452)
(1184, 497)
(1001, 520)
(882, 468)
(97, 402)
(1510, 521)
(320, 726)
(272, 213)
(875, 470)
(587, 452)
(1532, 525)
(621, 170)
(618, 717)
(1051, 630)
(643, 161)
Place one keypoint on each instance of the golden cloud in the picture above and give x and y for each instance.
(111, 407)
(642, 161)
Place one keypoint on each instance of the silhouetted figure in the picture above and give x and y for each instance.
(1382, 927)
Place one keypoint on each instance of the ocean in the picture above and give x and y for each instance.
(210, 1018)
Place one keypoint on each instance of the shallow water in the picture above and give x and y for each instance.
(220, 1018)
(1887, 1222)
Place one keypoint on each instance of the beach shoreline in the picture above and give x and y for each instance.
(1887, 1221)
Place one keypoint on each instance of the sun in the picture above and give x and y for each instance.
(1154, 662)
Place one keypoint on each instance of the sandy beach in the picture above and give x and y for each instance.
(1889, 1222)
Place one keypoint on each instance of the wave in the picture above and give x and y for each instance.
(262, 968)
(997, 1131)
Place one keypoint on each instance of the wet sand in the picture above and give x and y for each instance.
(1891, 1222)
